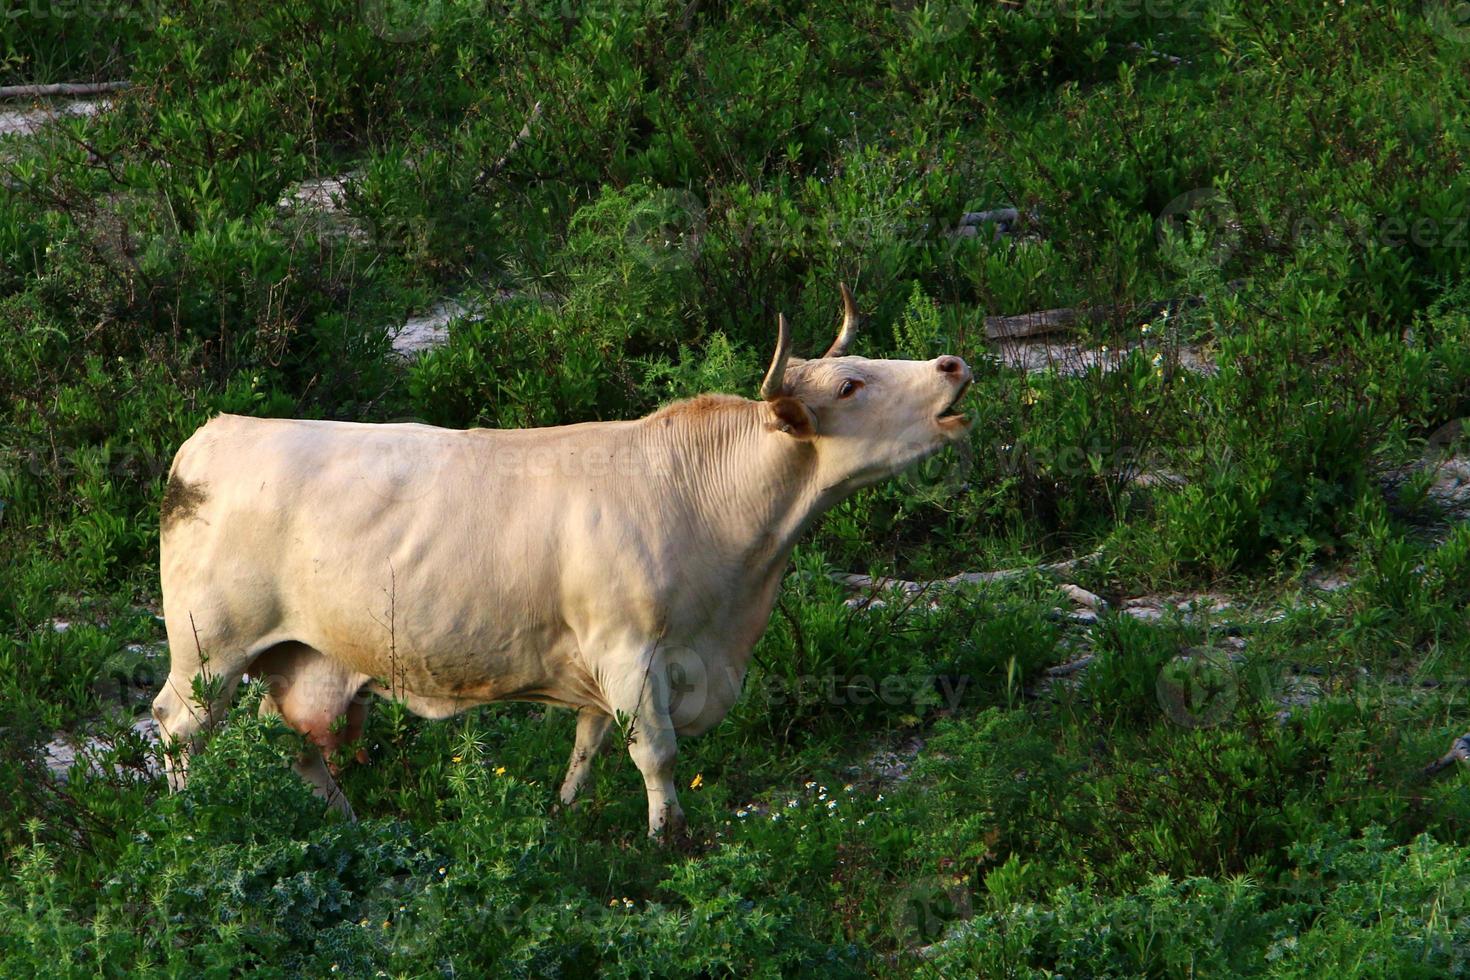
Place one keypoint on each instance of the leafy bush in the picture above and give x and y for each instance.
(1258, 213)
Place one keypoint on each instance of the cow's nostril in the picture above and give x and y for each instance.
(950, 365)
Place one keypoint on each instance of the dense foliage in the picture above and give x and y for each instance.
(624, 194)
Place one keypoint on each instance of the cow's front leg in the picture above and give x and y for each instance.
(646, 725)
(592, 729)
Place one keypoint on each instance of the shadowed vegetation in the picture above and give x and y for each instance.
(1262, 205)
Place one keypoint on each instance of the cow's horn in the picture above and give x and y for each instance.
(776, 375)
(849, 324)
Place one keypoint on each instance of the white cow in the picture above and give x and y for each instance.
(620, 569)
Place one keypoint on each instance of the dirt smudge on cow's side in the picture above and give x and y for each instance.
(181, 501)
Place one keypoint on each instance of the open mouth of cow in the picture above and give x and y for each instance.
(948, 418)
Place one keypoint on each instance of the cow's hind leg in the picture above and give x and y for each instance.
(321, 699)
(592, 729)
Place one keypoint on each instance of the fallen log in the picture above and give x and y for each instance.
(1032, 324)
(1079, 595)
(1068, 669)
(999, 216)
(60, 89)
(883, 583)
(1459, 752)
(1036, 324)
(970, 223)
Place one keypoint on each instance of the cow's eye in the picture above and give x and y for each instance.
(848, 388)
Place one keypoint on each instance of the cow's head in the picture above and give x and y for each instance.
(866, 419)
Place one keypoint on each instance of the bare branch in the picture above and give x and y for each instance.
(493, 171)
(60, 89)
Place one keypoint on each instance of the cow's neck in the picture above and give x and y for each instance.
(751, 489)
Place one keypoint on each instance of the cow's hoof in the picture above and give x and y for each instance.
(672, 829)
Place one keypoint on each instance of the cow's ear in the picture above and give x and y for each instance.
(790, 416)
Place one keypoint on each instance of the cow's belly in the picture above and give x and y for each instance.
(437, 645)
(440, 665)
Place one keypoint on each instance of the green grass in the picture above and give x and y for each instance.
(900, 790)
